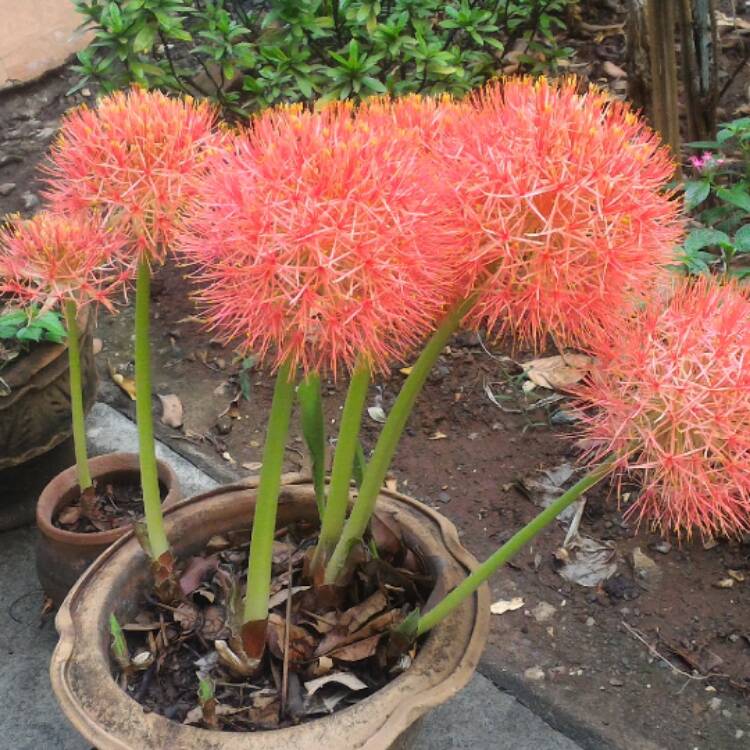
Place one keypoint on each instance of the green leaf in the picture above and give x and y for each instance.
(742, 239)
(737, 195)
(696, 191)
(51, 323)
(29, 333)
(700, 238)
(360, 463)
(144, 39)
(313, 430)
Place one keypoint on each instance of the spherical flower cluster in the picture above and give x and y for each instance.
(56, 257)
(672, 403)
(133, 157)
(317, 240)
(563, 195)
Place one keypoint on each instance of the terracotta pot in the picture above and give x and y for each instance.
(109, 719)
(61, 556)
(35, 419)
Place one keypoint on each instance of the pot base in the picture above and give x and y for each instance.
(111, 720)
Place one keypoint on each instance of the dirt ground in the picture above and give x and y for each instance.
(657, 656)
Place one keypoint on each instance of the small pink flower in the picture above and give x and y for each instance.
(671, 398)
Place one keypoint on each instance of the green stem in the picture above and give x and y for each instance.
(264, 522)
(343, 463)
(519, 540)
(78, 414)
(377, 468)
(157, 537)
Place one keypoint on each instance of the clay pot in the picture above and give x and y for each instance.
(61, 556)
(35, 418)
(109, 719)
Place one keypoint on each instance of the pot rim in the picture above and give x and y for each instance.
(54, 497)
(399, 718)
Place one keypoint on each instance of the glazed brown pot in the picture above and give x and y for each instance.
(61, 556)
(35, 418)
(109, 719)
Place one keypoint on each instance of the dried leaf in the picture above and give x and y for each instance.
(437, 436)
(376, 413)
(501, 606)
(69, 516)
(301, 643)
(195, 571)
(340, 678)
(558, 372)
(186, 615)
(357, 651)
(126, 384)
(613, 71)
(355, 617)
(215, 623)
(253, 465)
(283, 595)
(591, 563)
(171, 410)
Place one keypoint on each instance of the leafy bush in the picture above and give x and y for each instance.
(248, 54)
(24, 326)
(719, 197)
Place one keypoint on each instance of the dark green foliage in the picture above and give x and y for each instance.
(248, 54)
(31, 326)
(718, 196)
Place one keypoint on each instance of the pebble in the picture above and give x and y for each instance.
(543, 612)
(444, 497)
(30, 200)
(663, 547)
(615, 682)
(590, 622)
(7, 188)
(534, 673)
(739, 734)
(714, 704)
(223, 425)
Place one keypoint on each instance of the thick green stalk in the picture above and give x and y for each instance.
(517, 542)
(76, 396)
(314, 432)
(264, 522)
(377, 468)
(343, 463)
(157, 537)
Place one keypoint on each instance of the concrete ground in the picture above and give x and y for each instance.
(481, 717)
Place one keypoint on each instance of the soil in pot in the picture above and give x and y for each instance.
(325, 648)
(106, 505)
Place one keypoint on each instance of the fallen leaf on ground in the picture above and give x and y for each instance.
(69, 516)
(357, 651)
(125, 384)
(589, 563)
(171, 410)
(195, 572)
(283, 595)
(438, 436)
(376, 413)
(501, 606)
(301, 643)
(613, 71)
(341, 678)
(558, 372)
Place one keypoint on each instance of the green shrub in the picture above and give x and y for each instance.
(718, 196)
(249, 54)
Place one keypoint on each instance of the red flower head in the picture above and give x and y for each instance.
(315, 240)
(563, 193)
(132, 157)
(672, 398)
(55, 257)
